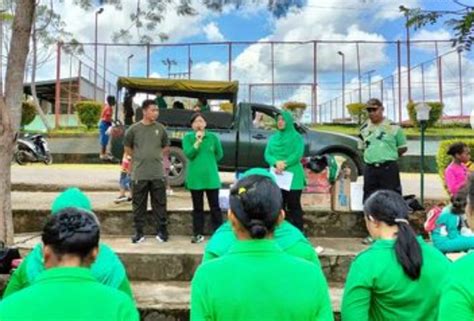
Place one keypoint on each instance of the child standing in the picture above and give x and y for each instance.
(125, 191)
(449, 234)
(457, 172)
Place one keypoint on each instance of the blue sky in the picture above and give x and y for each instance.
(373, 20)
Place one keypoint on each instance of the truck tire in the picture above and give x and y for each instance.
(178, 167)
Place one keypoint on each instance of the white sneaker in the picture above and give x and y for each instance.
(121, 199)
(197, 238)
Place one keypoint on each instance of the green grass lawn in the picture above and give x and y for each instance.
(70, 131)
(441, 132)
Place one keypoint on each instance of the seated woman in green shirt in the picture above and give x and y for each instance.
(447, 235)
(67, 290)
(458, 296)
(203, 150)
(256, 280)
(107, 268)
(289, 239)
(399, 277)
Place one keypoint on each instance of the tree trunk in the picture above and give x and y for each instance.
(36, 103)
(10, 108)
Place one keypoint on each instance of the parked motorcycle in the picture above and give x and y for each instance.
(32, 149)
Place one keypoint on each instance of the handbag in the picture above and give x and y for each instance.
(413, 203)
(7, 255)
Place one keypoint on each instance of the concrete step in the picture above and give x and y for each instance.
(120, 222)
(30, 210)
(169, 301)
(177, 259)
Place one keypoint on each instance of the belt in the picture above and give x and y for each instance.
(381, 164)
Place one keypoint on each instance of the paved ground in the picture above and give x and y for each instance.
(104, 178)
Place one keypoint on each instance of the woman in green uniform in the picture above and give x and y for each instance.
(203, 150)
(288, 237)
(67, 290)
(399, 277)
(284, 152)
(256, 280)
(458, 296)
(107, 268)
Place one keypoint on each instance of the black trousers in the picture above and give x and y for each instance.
(384, 176)
(198, 209)
(157, 190)
(292, 207)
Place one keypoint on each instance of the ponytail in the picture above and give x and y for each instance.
(389, 207)
(408, 251)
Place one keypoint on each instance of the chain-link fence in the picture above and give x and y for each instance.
(326, 75)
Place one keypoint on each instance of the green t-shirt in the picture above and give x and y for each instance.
(286, 236)
(108, 269)
(66, 294)
(147, 142)
(256, 280)
(457, 299)
(381, 141)
(377, 288)
(450, 221)
(202, 172)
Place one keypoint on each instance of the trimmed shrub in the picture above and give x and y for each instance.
(28, 113)
(443, 159)
(357, 112)
(296, 108)
(88, 113)
(435, 112)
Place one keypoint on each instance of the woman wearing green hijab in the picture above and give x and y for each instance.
(284, 152)
(107, 268)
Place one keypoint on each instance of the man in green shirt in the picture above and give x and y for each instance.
(67, 290)
(144, 142)
(384, 143)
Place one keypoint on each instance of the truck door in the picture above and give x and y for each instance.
(262, 126)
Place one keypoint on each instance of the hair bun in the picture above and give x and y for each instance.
(257, 229)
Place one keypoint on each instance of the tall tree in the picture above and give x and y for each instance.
(461, 20)
(10, 107)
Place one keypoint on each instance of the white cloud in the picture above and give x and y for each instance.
(213, 33)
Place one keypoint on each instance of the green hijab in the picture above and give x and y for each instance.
(259, 171)
(107, 268)
(286, 235)
(71, 197)
(282, 144)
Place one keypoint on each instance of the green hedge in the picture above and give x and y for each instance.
(28, 113)
(88, 113)
(443, 160)
(435, 112)
(357, 111)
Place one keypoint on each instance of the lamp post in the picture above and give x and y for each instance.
(369, 75)
(343, 57)
(128, 64)
(422, 116)
(169, 62)
(97, 13)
